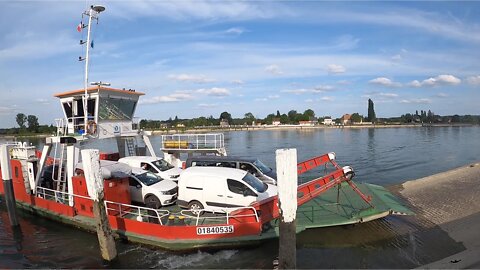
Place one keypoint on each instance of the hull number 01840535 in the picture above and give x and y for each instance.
(215, 230)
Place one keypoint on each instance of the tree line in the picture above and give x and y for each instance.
(28, 124)
(292, 117)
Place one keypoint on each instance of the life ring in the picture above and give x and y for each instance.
(91, 127)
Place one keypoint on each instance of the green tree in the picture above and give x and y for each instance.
(278, 114)
(292, 116)
(284, 119)
(309, 113)
(269, 119)
(371, 111)
(32, 121)
(21, 119)
(226, 116)
(356, 118)
(249, 118)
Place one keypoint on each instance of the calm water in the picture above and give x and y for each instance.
(382, 156)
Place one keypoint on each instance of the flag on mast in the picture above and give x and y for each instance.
(79, 27)
(91, 44)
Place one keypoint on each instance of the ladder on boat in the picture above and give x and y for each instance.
(130, 146)
(59, 175)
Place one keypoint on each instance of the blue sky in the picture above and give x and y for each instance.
(200, 58)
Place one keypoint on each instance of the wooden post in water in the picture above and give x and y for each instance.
(94, 179)
(287, 179)
(7, 184)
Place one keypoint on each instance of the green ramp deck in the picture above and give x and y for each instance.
(325, 211)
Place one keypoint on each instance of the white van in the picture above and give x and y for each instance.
(157, 166)
(216, 189)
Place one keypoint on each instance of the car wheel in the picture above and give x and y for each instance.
(152, 201)
(195, 207)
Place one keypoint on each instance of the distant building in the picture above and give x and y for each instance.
(224, 123)
(180, 125)
(328, 121)
(276, 121)
(346, 119)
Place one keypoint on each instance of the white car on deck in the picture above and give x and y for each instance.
(150, 189)
(219, 189)
(155, 165)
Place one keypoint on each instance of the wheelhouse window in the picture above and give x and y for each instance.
(116, 109)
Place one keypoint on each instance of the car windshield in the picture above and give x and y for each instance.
(162, 165)
(148, 178)
(255, 183)
(262, 167)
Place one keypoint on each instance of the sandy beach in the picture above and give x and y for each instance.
(450, 200)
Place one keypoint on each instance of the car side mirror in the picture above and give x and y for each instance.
(139, 186)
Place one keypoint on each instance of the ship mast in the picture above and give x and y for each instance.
(92, 14)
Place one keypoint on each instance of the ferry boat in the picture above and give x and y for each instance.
(98, 113)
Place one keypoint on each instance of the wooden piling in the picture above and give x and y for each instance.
(287, 179)
(7, 184)
(94, 179)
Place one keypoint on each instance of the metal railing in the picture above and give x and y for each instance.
(212, 141)
(57, 196)
(149, 215)
(225, 215)
(139, 212)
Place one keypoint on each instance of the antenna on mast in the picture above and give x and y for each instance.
(92, 14)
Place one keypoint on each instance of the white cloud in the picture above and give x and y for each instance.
(297, 91)
(274, 69)
(416, 101)
(176, 97)
(236, 30)
(215, 91)
(441, 95)
(190, 78)
(6, 110)
(336, 69)
(198, 10)
(396, 58)
(385, 82)
(206, 105)
(322, 88)
(344, 82)
(37, 47)
(436, 81)
(273, 96)
(326, 98)
(309, 100)
(42, 101)
(388, 95)
(239, 82)
(414, 83)
(474, 80)
(260, 99)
